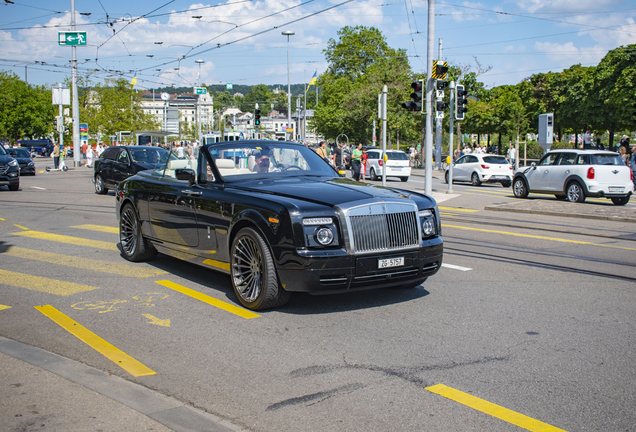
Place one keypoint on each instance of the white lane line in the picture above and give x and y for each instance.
(36, 187)
(454, 267)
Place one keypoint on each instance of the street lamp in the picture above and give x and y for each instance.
(288, 34)
(199, 62)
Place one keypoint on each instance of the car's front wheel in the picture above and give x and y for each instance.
(474, 179)
(14, 186)
(575, 192)
(519, 188)
(253, 271)
(620, 201)
(133, 245)
(99, 185)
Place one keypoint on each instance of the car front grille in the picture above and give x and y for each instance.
(4, 169)
(383, 227)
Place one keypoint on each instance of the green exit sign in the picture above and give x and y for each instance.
(71, 38)
(200, 90)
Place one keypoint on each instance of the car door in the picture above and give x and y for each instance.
(104, 166)
(122, 168)
(539, 176)
(471, 165)
(565, 166)
(458, 168)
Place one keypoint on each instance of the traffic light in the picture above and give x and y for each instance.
(257, 117)
(440, 105)
(440, 84)
(460, 102)
(416, 97)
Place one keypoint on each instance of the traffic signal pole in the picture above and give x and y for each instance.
(438, 126)
(428, 155)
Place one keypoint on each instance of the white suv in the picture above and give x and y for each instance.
(397, 165)
(575, 175)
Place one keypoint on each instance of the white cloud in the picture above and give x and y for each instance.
(565, 55)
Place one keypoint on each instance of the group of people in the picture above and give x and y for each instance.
(337, 158)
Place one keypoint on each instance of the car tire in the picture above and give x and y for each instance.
(14, 186)
(620, 201)
(574, 192)
(134, 247)
(373, 175)
(520, 188)
(99, 185)
(506, 184)
(253, 272)
(474, 179)
(404, 179)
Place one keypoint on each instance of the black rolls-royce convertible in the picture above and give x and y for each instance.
(277, 218)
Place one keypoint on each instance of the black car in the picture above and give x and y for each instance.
(9, 170)
(116, 164)
(278, 219)
(23, 156)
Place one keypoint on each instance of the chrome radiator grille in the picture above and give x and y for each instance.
(382, 228)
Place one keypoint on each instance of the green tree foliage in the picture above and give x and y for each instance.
(259, 94)
(360, 64)
(25, 111)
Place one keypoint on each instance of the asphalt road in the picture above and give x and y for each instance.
(530, 323)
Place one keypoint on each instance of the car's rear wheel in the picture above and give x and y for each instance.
(133, 245)
(254, 275)
(474, 179)
(575, 192)
(404, 179)
(373, 175)
(99, 185)
(519, 188)
(620, 201)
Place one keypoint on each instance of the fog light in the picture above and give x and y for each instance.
(324, 236)
(428, 228)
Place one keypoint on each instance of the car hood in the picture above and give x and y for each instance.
(326, 191)
(23, 159)
(5, 159)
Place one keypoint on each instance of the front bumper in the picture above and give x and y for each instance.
(335, 271)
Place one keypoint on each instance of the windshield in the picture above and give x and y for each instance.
(495, 159)
(150, 155)
(2, 150)
(259, 159)
(20, 152)
(606, 159)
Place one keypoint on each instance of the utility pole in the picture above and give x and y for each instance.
(428, 176)
(75, 101)
(450, 137)
(438, 127)
(384, 158)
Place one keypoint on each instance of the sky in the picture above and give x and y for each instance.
(240, 41)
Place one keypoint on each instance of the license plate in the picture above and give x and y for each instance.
(616, 189)
(396, 168)
(390, 262)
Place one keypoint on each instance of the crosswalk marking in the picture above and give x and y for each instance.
(99, 228)
(111, 352)
(69, 240)
(136, 271)
(244, 313)
(42, 284)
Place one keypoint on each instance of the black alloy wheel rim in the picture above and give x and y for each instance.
(247, 268)
(128, 231)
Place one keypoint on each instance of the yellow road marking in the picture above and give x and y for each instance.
(217, 264)
(2, 219)
(156, 321)
(244, 313)
(489, 408)
(83, 263)
(20, 226)
(538, 237)
(100, 228)
(458, 209)
(3, 307)
(448, 214)
(111, 352)
(42, 284)
(69, 240)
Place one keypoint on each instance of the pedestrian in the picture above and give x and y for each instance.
(356, 156)
(84, 150)
(322, 151)
(412, 155)
(56, 156)
(623, 153)
(364, 157)
(339, 157)
(180, 151)
(633, 162)
(587, 140)
(89, 156)
(511, 154)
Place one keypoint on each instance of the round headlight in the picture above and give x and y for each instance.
(324, 236)
(427, 227)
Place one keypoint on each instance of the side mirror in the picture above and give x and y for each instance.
(533, 165)
(185, 174)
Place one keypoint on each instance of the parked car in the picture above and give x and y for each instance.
(23, 156)
(397, 165)
(481, 168)
(117, 163)
(575, 174)
(9, 170)
(286, 222)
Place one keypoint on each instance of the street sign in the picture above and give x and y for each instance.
(71, 38)
(61, 96)
(228, 86)
(200, 90)
(439, 114)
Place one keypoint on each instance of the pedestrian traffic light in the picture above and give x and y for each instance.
(257, 117)
(440, 105)
(460, 102)
(415, 103)
(440, 84)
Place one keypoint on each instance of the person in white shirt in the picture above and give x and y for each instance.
(511, 154)
(180, 151)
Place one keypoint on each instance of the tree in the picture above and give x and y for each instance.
(25, 110)
(223, 99)
(259, 94)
